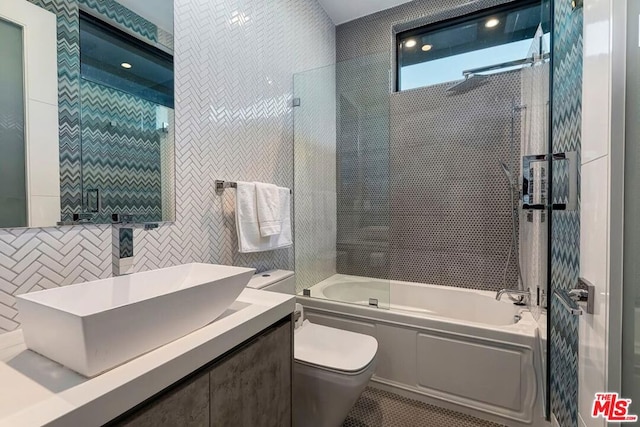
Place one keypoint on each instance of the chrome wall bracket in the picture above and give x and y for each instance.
(568, 302)
(579, 300)
(585, 294)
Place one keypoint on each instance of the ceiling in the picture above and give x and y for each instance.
(160, 12)
(341, 11)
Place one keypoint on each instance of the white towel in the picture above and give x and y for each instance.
(269, 214)
(249, 238)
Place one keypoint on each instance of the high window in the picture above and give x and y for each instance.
(451, 50)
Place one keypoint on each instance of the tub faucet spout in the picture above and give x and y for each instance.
(525, 296)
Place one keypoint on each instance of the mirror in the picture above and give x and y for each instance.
(87, 122)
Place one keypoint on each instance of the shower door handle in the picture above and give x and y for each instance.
(535, 182)
(569, 191)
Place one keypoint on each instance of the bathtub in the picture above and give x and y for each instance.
(456, 348)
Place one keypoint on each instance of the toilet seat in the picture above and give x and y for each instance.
(335, 350)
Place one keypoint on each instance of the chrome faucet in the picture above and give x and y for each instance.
(525, 296)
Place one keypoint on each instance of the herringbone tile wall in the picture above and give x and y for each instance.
(235, 61)
(36, 259)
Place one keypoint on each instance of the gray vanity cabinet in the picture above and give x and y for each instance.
(250, 386)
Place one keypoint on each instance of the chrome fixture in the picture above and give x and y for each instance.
(534, 182)
(121, 218)
(77, 219)
(469, 83)
(82, 217)
(507, 173)
(523, 297)
(514, 192)
(584, 295)
(568, 301)
(524, 61)
(148, 226)
(373, 302)
(472, 78)
(577, 4)
(296, 315)
(221, 185)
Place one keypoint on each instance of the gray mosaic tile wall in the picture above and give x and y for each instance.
(363, 166)
(450, 204)
(420, 193)
(234, 121)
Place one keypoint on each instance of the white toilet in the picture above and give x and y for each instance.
(332, 367)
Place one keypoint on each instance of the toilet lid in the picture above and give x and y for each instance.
(333, 348)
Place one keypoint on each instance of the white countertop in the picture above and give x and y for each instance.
(35, 391)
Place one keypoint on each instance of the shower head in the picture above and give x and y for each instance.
(507, 173)
(470, 82)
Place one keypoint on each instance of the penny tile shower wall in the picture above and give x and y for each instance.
(421, 196)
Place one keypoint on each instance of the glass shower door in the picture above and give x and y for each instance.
(341, 194)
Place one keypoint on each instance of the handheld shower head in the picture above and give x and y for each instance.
(507, 173)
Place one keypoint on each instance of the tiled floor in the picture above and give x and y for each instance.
(377, 408)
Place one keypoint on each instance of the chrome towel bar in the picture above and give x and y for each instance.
(221, 185)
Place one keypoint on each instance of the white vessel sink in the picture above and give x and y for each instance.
(95, 326)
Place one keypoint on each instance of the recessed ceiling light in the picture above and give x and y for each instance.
(492, 23)
(126, 65)
(427, 47)
(410, 43)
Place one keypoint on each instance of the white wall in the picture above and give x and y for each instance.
(595, 213)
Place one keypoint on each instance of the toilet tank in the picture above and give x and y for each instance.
(282, 281)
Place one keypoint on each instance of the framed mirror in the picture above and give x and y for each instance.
(87, 125)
